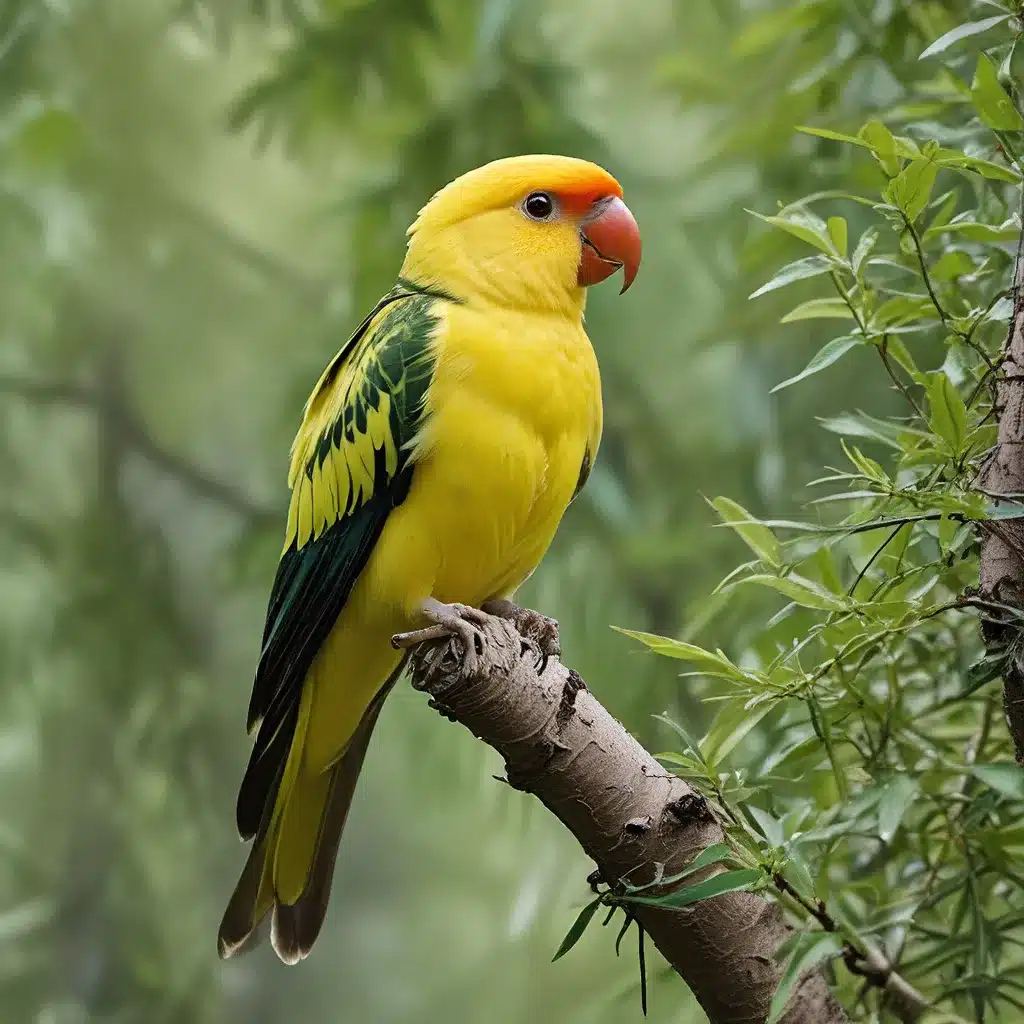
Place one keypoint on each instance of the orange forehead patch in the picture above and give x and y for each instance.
(576, 183)
(578, 199)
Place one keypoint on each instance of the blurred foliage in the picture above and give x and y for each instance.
(197, 201)
(878, 797)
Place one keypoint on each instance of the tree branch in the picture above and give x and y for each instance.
(1002, 548)
(637, 821)
(137, 436)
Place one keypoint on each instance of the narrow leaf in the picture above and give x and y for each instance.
(948, 414)
(819, 309)
(828, 133)
(883, 145)
(578, 928)
(717, 885)
(863, 250)
(964, 31)
(986, 168)
(990, 100)
(684, 651)
(756, 535)
(714, 854)
(1006, 778)
(838, 233)
(897, 794)
(803, 226)
(802, 591)
(825, 357)
(799, 270)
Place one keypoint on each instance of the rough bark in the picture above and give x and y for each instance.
(630, 815)
(1002, 548)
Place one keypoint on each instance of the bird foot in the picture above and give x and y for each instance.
(539, 630)
(458, 620)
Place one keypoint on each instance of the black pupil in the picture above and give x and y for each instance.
(538, 205)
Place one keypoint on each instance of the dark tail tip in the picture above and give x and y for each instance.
(289, 933)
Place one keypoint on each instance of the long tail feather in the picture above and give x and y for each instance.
(297, 925)
(291, 864)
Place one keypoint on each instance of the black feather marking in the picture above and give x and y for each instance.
(585, 468)
(323, 449)
(313, 582)
(263, 773)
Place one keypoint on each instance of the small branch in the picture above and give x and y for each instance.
(883, 351)
(905, 1001)
(137, 436)
(925, 273)
(637, 821)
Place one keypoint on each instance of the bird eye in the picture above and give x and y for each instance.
(539, 206)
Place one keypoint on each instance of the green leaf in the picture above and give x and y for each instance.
(964, 31)
(714, 854)
(988, 667)
(911, 189)
(897, 793)
(828, 133)
(859, 424)
(808, 951)
(756, 535)
(903, 309)
(717, 885)
(803, 225)
(796, 873)
(948, 414)
(986, 168)
(865, 464)
(799, 270)
(578, 928)
(802, 591)
(1004, 777)
(731, 724)
(863, 250)
(952, 264)
(990, 100)
(837, 231)
(819, 309)
(825, 357)
(975, 231)
(902, 355)
(685, 652)
(688, 764)
(883, 145)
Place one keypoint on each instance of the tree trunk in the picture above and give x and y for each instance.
(630, 815)
(1002, 547)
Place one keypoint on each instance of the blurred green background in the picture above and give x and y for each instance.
(198, 201)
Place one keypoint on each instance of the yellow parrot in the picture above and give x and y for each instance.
(436, 457)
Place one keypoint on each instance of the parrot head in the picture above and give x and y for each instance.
(528, 230)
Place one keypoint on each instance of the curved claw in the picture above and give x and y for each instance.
(448, 620)
(532, 625)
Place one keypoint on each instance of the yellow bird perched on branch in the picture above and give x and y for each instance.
(436, 456)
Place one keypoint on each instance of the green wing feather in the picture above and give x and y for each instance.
(351, 465)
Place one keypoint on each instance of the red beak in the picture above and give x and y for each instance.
(611, 239)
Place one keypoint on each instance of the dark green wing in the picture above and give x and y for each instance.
(350, 467)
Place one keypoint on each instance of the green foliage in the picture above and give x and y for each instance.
(880, 786)
(198, 200)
